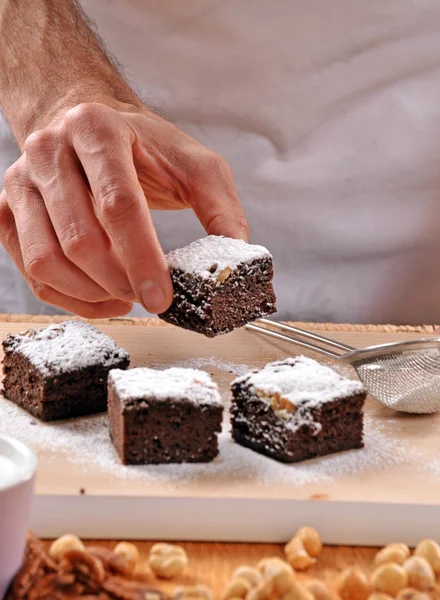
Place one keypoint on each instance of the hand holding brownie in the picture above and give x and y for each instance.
(75, 217)
(74, 214)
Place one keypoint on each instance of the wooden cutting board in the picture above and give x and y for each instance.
(389, 490)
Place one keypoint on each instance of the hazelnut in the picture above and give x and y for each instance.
(249, 573)
(238, 587)
(297, 556)
(311, 540)
(412, 594)
(167, 560)
(420, 573)
(430, 550)
(263, 591)
(298, 592)
(396, 553)
(197, 592)
(129, 552)
(279, 573)
(64, 544)
(389, 578)
(354, 584)
(319, 590)
(223, 275)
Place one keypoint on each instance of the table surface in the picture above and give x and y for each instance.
(212, 564)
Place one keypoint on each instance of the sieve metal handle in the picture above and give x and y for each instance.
(293, 339)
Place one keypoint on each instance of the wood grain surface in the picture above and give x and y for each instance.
(213, 564)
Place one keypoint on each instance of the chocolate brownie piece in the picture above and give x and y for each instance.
(220, 284)
(169, 416)
(60, 371)
(297, 409)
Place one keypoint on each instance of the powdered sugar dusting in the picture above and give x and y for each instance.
(143, 383)
(211, 255)
(66, 347)
(434, 466)
(85, 442)
(293, 388)
(301, 379)
(212, 361)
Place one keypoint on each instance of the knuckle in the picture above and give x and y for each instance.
(209, 164)
(41, 291)
(211, 161)
(80, 245)
(6, 216)
(116, 204)
(38, 264)
(12, 175)
(39, 142)
(84, 114)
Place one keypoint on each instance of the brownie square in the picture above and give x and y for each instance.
(60, 371)
(220, 284)
(297, 409)
(170, 416)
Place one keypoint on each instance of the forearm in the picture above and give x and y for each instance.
(50, 59)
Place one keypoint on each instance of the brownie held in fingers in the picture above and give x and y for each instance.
(220, 284)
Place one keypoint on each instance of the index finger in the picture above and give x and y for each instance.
(106, 156)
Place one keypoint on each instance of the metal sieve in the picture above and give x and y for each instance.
(405, 376)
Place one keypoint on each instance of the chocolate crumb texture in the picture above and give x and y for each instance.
(297, 409)
(220, 284)
(60, 371)
(169, 416)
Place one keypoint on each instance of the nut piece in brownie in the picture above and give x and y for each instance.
(220, 284)
(297, 409)
(169, 416)
(60, 371)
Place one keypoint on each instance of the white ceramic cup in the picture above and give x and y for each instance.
(18, 466)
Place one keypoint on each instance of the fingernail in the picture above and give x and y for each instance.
(152, 296)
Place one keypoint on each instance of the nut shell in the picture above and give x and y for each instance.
(354, 584)
(238, 587)
(64, 544)
(420, 573)
(389, 578)
(430, 550)
(297, 556)
(250, 573)
(396, 553)
(129, 552)
(319, 590)
(167, 561)
(311, 541)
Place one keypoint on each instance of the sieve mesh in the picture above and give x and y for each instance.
(406, 381)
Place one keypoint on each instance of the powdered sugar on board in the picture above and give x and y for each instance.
(210, 255)
(192, 385)
(66, 347)
(210, 361)
(85, 442)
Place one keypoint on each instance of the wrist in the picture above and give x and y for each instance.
(116, 94)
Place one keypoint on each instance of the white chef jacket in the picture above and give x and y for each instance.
(329, 113)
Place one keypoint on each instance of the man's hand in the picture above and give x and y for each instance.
(74, 213)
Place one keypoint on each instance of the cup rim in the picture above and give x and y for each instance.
(30, 461)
